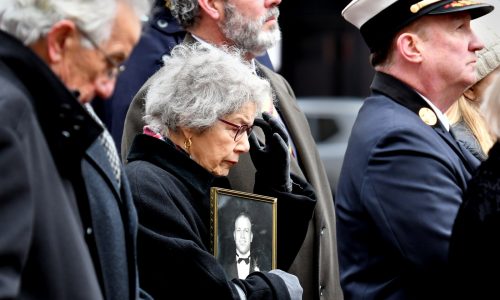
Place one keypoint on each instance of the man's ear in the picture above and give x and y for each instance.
(408, 45)
(213, 8)
(61, 36)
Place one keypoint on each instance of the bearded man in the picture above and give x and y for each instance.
(252, 27)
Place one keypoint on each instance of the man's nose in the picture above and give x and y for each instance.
(272, 3)
(104, 87)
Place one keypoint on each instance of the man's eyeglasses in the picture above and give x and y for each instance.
(114, 68)
(239, 129)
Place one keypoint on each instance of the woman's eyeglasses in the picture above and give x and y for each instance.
(239, 129)
(114, 68)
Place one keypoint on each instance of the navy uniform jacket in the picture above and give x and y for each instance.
(400, 188)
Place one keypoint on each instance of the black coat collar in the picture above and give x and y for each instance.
(67, 127)
(399, 92)
(165, 155)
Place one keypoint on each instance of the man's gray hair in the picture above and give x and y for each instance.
(31, 20)
(199, 84)
(185, 11)
(490, 107)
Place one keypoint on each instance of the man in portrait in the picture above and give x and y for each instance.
(248, 257)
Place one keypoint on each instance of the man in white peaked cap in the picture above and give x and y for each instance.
(404, 174)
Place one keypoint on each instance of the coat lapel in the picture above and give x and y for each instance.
(97, 157)
(407, 97)
(295, 122)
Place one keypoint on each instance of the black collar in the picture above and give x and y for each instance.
(165, 155)
(401, 93)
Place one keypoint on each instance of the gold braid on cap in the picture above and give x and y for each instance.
(417, 6)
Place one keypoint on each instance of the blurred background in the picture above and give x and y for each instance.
(322, 54)
(325, 60)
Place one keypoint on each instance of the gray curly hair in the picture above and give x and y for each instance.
(185, 11)
(199, 84)
(31, 20)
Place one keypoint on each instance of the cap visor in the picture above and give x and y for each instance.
(476, 10)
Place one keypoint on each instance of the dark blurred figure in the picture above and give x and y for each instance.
(67, 219)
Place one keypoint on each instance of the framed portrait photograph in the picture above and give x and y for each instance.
(243, 231)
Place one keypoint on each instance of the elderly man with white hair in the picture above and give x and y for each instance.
(68, 222)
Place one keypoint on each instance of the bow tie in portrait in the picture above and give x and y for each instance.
(246, 260)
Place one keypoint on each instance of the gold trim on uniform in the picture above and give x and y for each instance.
(428, 116)
(415, 8)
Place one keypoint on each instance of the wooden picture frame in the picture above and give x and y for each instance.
(226, 207)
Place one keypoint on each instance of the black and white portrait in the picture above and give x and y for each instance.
(244, 232)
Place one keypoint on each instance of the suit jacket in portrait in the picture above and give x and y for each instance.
(400, 188)
(231, 267)
(315, 263)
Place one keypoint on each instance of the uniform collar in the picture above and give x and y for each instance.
(442, 117)
(403, 94)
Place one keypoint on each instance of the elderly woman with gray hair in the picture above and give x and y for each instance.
(200, 110)
(475, 243)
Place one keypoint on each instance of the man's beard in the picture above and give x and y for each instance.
(247, 34)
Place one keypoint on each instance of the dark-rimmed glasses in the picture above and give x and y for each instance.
(239, 129)
(114, 68)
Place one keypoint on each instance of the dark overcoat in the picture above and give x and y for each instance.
(172, 196)
(43, 252)
(76, 232)
(475, 241)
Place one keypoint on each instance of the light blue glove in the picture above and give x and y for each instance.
(292, 283)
